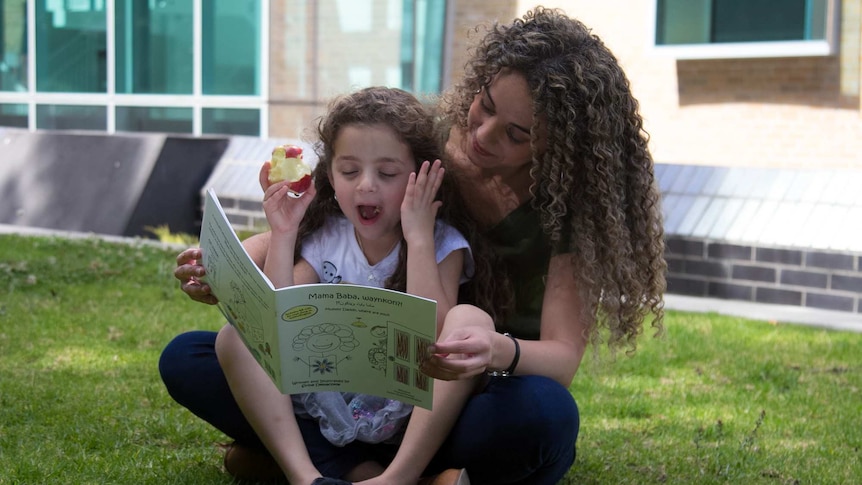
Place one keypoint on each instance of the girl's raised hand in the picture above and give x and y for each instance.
(419, 209)
(284, 211)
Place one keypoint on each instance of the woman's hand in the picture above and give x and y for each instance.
(462, 354)
(189, 271)
(419, 209)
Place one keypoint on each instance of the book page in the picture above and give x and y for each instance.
(356, 339)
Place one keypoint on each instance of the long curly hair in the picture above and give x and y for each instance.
(594, 184)
(414, 124)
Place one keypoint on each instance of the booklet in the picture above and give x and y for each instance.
(321, 337)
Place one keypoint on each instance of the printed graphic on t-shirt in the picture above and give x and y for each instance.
(330, 273)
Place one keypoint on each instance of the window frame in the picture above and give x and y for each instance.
(111, 99)
(828, 46)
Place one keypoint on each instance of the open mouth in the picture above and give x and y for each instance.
(369, 213)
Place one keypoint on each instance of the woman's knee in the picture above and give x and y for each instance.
(178, 354)
(546, 409)
(184, 360)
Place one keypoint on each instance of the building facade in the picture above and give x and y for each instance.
(753, 107)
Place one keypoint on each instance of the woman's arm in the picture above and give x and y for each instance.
(189, 269)
(563, 338)
(557, 354)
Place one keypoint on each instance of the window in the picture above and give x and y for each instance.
(71, 47)
(236, 121)
(422, 46)
(231, 53)
(13, 45)
(70, 117)
(13, 115)
(154, 47)
(745, 28)
(154, 119)
(176, 66)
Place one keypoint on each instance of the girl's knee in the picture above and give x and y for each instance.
(467, 315)
(226, 340)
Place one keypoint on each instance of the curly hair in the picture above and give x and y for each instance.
(414, 124)
(594, 184)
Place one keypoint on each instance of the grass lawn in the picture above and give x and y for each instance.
(716, 400)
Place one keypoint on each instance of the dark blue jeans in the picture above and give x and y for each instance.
(518, 430)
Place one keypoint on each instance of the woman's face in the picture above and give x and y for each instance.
(499, 123)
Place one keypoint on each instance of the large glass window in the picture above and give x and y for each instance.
(231, 53)
(422, 45)
(154, 119)
(13, 45)
(807, 26)
(124, 70)
(230, 120)
(13, 115)
(69, 117)
(71, 53)
(154, 46)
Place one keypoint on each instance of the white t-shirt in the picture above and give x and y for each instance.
(335, 255)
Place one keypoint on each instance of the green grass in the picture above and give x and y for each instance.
(717, 400)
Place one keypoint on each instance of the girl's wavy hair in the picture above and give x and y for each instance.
(414, 124)
(594, 184)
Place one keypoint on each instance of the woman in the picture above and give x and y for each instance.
(550, 155)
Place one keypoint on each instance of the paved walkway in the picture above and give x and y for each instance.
(757, 311)
(767, 312)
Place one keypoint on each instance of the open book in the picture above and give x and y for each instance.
(322, 337)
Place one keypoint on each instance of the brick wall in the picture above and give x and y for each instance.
(322, 48)
(829, 280)
(470, 19)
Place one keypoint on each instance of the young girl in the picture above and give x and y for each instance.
(370, 219)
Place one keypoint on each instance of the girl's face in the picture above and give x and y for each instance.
(370, 169)
(499, 123)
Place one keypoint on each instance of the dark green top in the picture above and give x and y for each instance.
(526, 251)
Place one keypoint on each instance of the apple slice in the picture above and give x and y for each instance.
(287, 164)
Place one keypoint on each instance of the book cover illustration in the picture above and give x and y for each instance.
(321, 337)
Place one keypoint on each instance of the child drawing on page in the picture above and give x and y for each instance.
(330, 344)
(373, 217)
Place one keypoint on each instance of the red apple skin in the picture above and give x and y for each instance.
(292, 151)
(301, 185)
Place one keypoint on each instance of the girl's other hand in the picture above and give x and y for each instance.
(419, 209)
